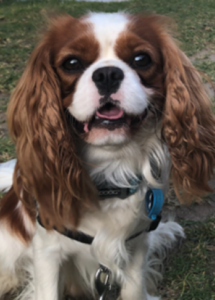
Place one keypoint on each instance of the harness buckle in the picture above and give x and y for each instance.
(154, 203)
(103, 284)
(124, 193)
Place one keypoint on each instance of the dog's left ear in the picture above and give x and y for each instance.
(188, 124)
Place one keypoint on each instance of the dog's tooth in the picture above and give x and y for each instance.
(96, 117)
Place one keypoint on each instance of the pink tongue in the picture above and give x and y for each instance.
(113, 113)
(86, 127)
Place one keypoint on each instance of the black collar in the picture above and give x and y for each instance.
(108, 190)
(121, 193)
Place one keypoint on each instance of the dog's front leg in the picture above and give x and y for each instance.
(47, 259)
(134, 286)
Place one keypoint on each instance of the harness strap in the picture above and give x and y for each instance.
(84, 238)
(154, 202)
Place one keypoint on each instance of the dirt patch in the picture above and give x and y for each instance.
(3, 105)
(4, 98)
(196, 212)
(207, 54)
(210, 89)
(3, 124)
(202, 55)
(212, 57)
(205, 58)
(199, 211)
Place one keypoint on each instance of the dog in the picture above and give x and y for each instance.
(106, 110)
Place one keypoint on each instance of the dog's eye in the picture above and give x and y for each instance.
(142, 61)
(72, 64)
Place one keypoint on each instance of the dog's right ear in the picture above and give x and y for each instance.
(48, 167)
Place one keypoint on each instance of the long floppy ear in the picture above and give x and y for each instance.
(48, 166)
(188, 124)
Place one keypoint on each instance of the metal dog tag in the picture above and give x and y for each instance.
(105, 289)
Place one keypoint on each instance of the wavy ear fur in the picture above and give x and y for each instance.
(48, 166)
(188, 124)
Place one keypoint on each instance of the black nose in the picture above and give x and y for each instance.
(108, 79)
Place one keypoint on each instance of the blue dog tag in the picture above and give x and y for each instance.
(154, 203)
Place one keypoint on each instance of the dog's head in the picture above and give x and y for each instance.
(103, 77)
(110, 75)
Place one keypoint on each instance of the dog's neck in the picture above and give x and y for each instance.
(112, 164)
(119, 164)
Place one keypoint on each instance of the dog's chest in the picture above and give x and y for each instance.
(115, 215)
(110, 227)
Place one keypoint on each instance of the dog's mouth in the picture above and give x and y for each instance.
(111, 117)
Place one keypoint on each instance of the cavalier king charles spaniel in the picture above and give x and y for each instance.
(106, 109)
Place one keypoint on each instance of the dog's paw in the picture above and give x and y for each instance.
(166, 236)
(162, 242)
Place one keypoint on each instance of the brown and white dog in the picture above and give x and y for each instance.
(104, 100)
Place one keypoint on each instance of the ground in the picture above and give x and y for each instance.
(190, 270)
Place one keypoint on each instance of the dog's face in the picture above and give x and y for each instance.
(109, 73)
(114, 75)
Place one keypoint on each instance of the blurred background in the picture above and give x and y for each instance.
(190, 270)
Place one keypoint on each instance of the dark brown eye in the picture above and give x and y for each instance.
(72, 64)
(142, 61)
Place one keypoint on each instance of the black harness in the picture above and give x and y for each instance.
(122, 193)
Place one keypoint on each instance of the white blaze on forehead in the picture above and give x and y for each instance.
(107, 27)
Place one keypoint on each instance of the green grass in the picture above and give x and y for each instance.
(191, 273)
(7, 149)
